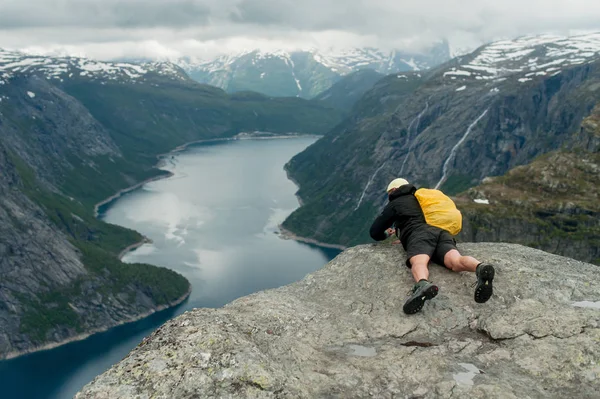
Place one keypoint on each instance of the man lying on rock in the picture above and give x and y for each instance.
(424, 242)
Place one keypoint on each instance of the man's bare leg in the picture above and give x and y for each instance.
(419, 267)
(423, 289)
(454, 261)
(485, 273)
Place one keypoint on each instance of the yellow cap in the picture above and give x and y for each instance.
(396, 183)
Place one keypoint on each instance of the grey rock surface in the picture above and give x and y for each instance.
(34, 255)
(50, 130)
(341, 333)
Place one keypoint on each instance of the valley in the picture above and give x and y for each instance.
(74, 132)
(92, 235)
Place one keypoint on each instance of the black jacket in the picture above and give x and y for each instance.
(403, 211)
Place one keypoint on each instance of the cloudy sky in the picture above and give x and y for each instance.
(108, 29)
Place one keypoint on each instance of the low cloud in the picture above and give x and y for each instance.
(152, 28)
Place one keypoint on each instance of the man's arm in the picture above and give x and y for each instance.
(383, 222)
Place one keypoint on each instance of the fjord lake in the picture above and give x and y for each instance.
(215, 221)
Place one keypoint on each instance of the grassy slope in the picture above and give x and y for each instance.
(557, 196)
(99, 243)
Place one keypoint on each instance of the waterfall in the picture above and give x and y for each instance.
(415, 122)
(368, 185)
(453, 151)
(412, 143)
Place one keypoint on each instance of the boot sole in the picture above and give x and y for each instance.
(417, 303)
(485, 288)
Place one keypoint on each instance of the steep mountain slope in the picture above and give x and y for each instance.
(303, 73)
(553, 202)
(475, 116)
(59, 267)
(69, 140)
(347, 91)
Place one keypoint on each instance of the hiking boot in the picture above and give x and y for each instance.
(485, 276)
(421, 292)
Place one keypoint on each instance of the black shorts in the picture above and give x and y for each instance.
(431, 241)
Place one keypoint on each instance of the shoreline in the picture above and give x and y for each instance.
(288, 235)
(132, 247)
(126, 190)
(183, 147)
(290, 178)
(81, 337)
(238, 137)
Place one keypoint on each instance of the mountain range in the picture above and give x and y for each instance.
(305, 73)
(64, 68)
(475, 116)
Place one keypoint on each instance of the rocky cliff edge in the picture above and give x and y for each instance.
(341, 333)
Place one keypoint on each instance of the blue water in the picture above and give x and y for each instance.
(214, 221)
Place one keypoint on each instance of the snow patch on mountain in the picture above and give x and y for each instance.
(310, 71)
(288, 61)
(341, 61)
(530, 56)
(456, 72)
(60, 68)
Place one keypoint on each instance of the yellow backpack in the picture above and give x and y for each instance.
(439, 210)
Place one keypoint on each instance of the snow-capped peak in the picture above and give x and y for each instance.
(60, 68)
(341, 61)
(527, 57)
(304, 72)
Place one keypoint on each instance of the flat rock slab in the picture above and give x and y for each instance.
(341, 333)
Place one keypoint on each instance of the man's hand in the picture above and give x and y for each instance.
(390, 232)
(397, 242)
